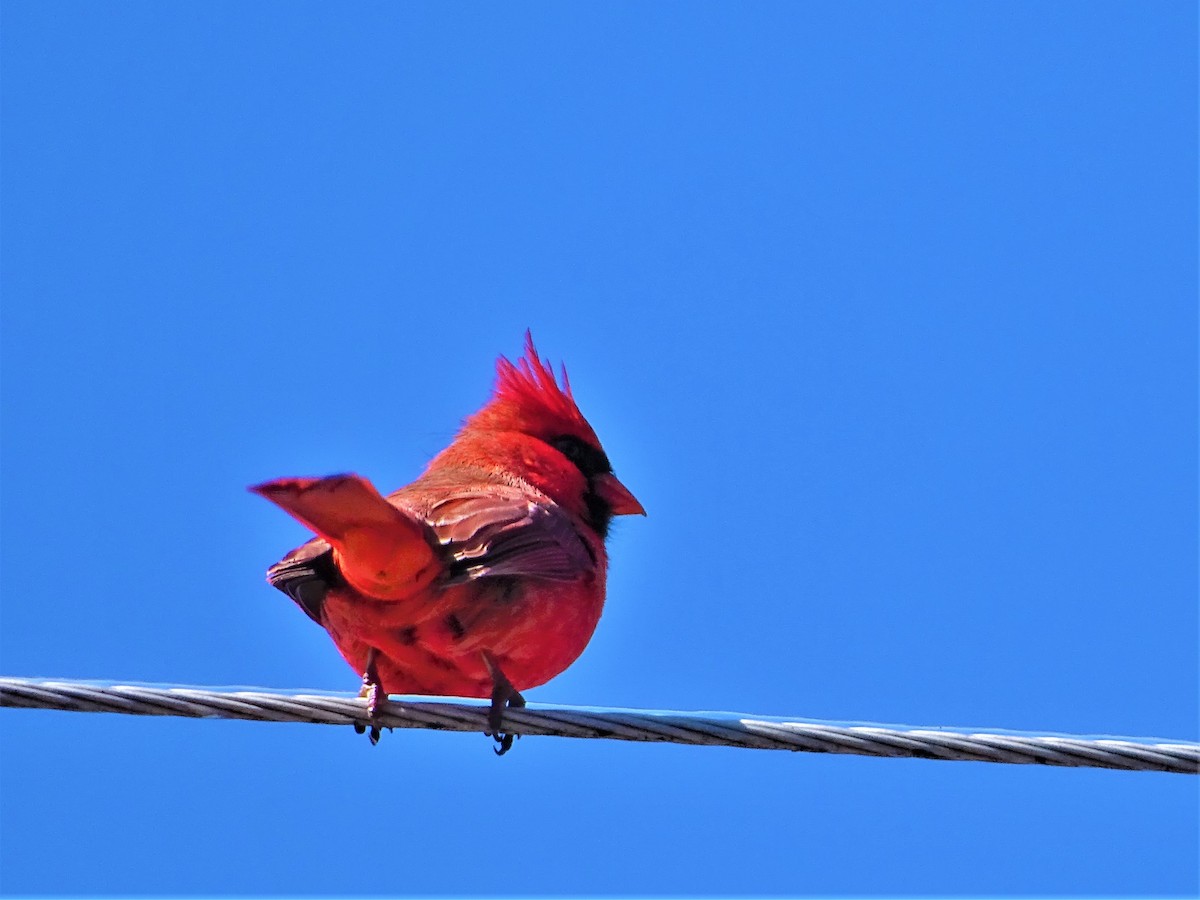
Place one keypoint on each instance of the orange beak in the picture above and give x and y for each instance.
(617, 496)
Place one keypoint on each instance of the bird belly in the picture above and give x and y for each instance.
(436, 644)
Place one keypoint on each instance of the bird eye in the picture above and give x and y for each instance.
(589, 460)
(570, 447)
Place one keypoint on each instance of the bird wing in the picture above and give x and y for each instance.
(500, 530)
(486, 532)
(306, 575)
(382, 549)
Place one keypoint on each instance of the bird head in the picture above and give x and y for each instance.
(529, 400)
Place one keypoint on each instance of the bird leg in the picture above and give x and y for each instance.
(504, 695)
(373, 690)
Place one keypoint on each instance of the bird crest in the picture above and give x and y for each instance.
(528, 398)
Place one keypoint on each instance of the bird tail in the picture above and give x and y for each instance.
(382, 551)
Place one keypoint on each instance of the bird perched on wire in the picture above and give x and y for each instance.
(482, 578)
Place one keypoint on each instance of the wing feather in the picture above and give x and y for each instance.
(502, 531)
(306, 575)
(484, 533)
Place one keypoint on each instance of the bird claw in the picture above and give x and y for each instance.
(504, 743)
(376, 698)
(504, 696)
(376, 732)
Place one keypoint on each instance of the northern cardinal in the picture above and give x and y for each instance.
(483, 577)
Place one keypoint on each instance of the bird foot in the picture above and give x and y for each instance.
(376, 698)
(504, 696)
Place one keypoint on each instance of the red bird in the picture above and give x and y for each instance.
(483, 577)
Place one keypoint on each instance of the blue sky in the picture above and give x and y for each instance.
(886, 312)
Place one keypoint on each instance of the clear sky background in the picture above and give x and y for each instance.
(886, 312)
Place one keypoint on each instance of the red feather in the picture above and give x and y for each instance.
(486, 575)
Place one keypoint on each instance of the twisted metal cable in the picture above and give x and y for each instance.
(723, 729)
